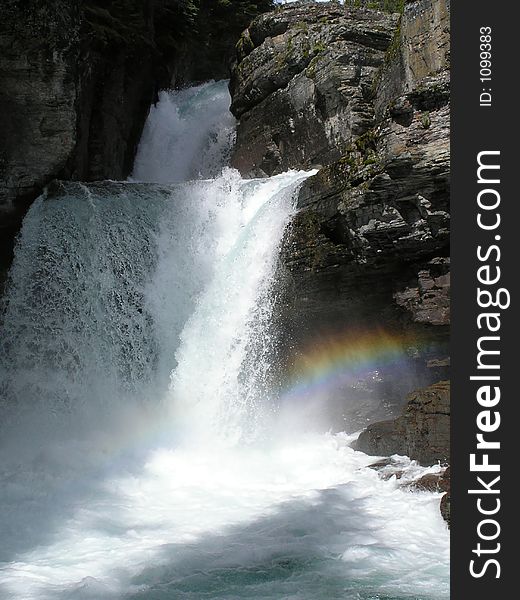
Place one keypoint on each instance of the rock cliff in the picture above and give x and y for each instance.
(38, 48)
(302, 84)
(365, 95)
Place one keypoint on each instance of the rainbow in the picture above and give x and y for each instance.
(341, 358)
(322, 366)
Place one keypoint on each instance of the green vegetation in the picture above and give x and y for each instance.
(310, 71)
(361, 160)
(318, 47)
(308, 228)
(302, 26)
(244, 45)
(426, 120)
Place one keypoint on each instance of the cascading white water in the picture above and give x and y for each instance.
(189, 134)
(134, 361)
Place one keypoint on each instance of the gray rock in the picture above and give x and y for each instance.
(369, 245)
(38, 51)
(429, 301)
(422, 432)
(420, 52)
(73, 100)
(302, 85)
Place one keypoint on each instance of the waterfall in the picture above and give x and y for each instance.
(142, 455)
(189, 134)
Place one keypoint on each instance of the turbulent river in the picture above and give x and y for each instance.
(144, 454)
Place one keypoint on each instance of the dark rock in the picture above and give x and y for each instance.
(429, 302)
(445, 508)
(381, 214)
(387, 468)
(446, 499)
(422, 432)
(209, 45)
(436, 482)
(74, 95)
(302, 84)
(430, 482)
(381, 464)
(382, 438)
(438, 363)
(39, 46)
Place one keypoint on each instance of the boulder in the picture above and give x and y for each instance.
(422, 432)
(431, 482)
(446, 498)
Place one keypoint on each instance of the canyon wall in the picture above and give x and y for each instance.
(365, 96)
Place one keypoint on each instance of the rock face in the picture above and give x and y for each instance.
(37, 101)
(302, 84)
(421, 432)
(365, 93)
(369, 245)
(376, 222)
(429, 302)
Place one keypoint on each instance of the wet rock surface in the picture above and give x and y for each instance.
(432, 482)
(74, 95)
(446, 498)
(38, 49)
(421, 432)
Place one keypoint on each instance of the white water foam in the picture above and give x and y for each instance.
(189, 134)
(301, 519)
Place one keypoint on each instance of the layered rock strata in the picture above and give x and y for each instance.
(366, 94)
(302, 84)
